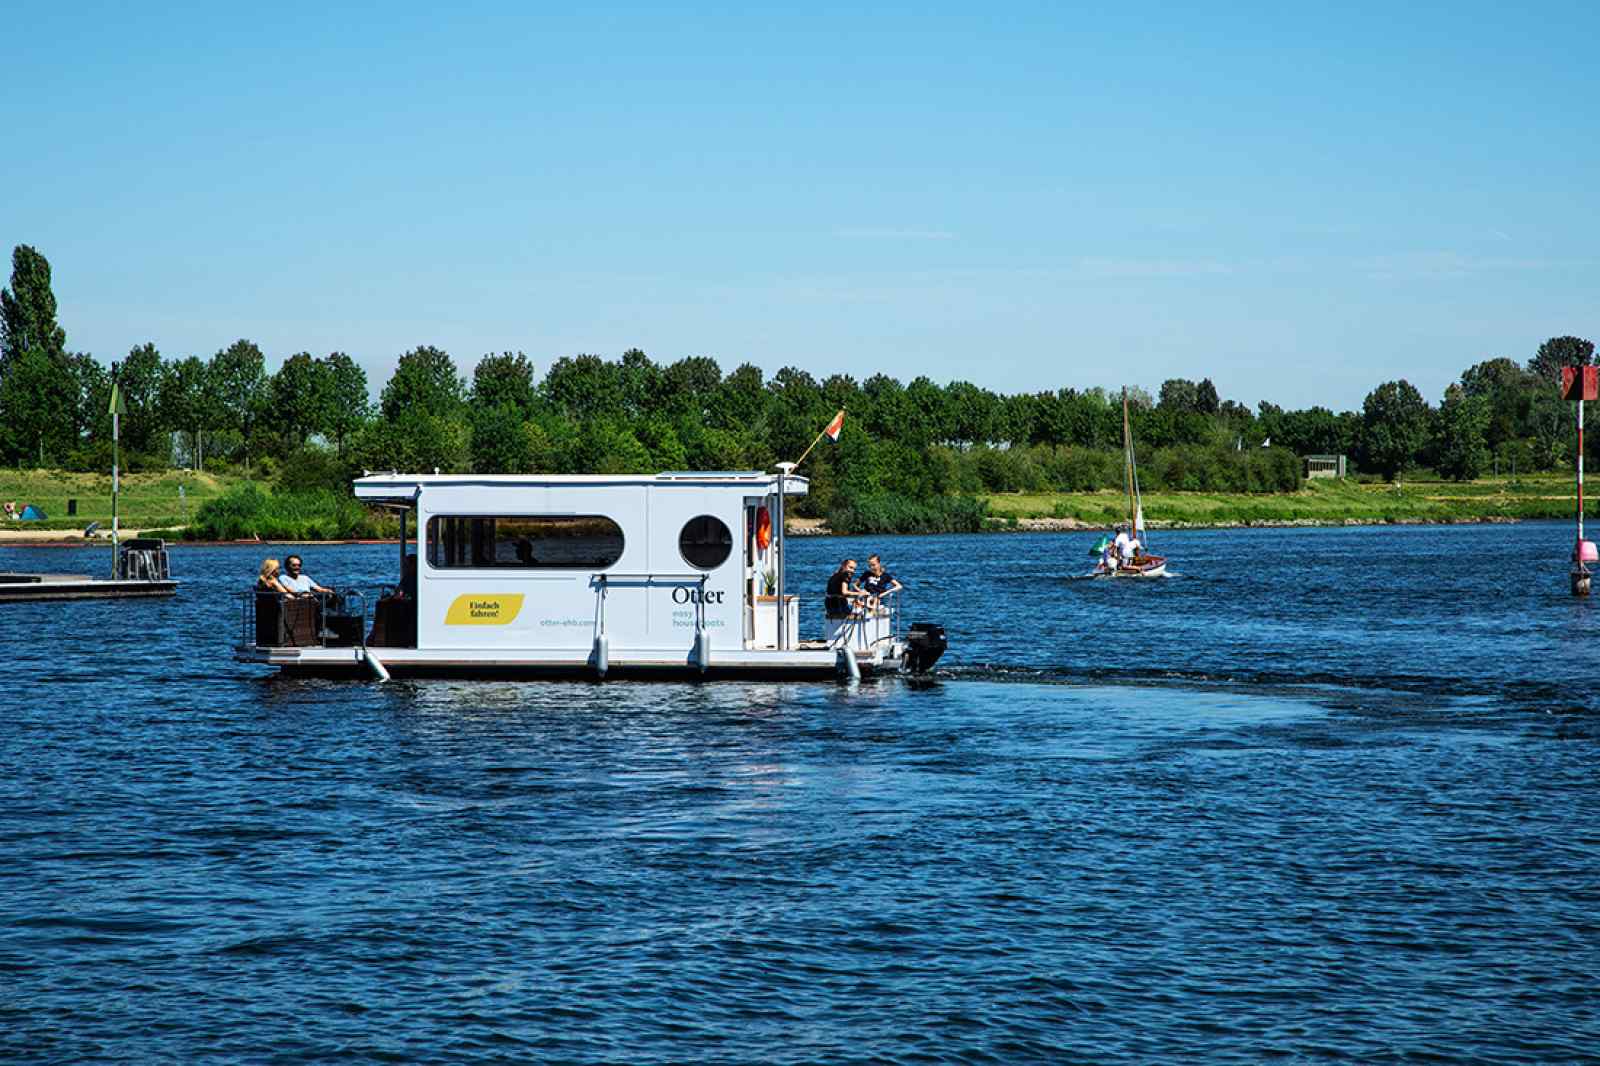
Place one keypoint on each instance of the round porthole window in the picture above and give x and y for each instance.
(705, 542)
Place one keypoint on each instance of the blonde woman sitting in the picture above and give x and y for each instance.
(267, 580)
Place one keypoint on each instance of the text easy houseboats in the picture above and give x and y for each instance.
(587, 575)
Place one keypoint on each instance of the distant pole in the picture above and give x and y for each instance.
(117, 410)
(1581, 383)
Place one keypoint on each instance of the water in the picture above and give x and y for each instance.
(1329, 794)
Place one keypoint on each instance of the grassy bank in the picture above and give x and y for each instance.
(146, 501)
(1333, 502)
(226, 507)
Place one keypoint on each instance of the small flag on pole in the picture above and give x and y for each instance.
(831, 431)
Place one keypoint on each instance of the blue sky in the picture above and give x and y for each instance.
(1297, 205)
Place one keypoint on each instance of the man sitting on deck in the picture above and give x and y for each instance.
(297, 583)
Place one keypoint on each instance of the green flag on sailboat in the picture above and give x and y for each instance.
(1101, 546)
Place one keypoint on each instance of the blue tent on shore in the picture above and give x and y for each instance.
(31, 513)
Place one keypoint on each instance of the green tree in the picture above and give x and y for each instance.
(1558, 352)
(1550, 421)
(928, 408)
(1394, 427)
(797, 412)
(236, 387)
(1463, 450)
(92, 398)
(301, 397)
(1508, 389)
(349, 404)
(39, 404)
(28, 312)
(1312, 431)
(425, 382)
(501, 442)
(183, 401)
(414, 441)
(661, 440)
(739, 404)
(138, 379)
(1179, 394)
(505, 380)
(688, 385)
(972, 413)
(642, 384)
(582, 387)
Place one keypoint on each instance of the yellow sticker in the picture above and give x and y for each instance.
(484, 609)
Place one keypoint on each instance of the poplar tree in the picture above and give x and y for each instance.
(39, 392)
(28, 311)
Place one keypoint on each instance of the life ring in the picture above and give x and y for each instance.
(763, 529)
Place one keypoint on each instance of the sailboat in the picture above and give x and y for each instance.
(1143, 564)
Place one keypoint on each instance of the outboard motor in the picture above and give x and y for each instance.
(924, 644)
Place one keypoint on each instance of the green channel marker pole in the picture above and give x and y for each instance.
(118, 409)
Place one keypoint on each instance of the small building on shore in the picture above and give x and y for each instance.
(1324, 466)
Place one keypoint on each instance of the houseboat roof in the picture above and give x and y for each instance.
(397, 487)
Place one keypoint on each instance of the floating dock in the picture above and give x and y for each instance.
(142, 570)
(17, 587)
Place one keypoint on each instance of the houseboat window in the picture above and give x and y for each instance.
(523, 542)
(705, 542)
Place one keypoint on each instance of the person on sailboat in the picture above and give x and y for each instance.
(1123, 546)
(1108, 555)
(1128, 546)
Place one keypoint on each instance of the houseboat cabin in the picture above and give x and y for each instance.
(586, 575)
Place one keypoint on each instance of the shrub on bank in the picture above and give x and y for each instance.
(892, 513)
(248, 511)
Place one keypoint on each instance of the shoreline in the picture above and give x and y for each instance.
(815, 527)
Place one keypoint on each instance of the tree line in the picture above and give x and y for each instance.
(920, 440)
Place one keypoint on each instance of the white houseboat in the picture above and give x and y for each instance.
(583, 575)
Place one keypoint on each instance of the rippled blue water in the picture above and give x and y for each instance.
(1329, 794)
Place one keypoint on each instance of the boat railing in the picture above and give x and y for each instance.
(867, 627)
(336, 619)
(603, 582)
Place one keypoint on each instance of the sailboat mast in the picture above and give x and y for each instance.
(1127, 458)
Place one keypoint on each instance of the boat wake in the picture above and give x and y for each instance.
(1538, 696)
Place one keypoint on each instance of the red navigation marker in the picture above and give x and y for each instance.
(1584, 378)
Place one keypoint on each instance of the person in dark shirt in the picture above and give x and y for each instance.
(878, 582)
(841, 601)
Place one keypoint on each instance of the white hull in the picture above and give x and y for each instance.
(813, 660)
(1125, 574)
